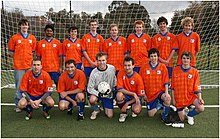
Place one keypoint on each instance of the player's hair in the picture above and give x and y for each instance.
(23, 22)
(93, 20)
(70, 61)
(187, 20)
(100, 54)
(139, 22)
(37, 59)
(112, 25)
(162, 19)
(49, 26)
(128, 58)
(187, 54)
(153, 51)
(72, 28)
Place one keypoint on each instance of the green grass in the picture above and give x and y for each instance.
(63, 125)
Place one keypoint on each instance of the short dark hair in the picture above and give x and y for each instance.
(49, 26)
(70, 61)
(128, 58)
(100, 54)
(162, 19)
(93, 20)
(188, 54)
(37, 59)
(72, 28)
(153, 51)
(23, 22)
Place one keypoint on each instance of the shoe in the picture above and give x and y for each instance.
(80, 117)
(190, 120)
(101, 108)
(46, 115)
(166, 122)
(133, 115)
(122, 117)
(28, 116)
(94, 115)
(17, 110)
(186, 110)
(70, 111)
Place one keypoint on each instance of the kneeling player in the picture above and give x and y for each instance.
(71, 87)
(156, 81)
(130, 88)
(102, 73)
(186, 89)
(36, 88)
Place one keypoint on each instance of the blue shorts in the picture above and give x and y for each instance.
(54, 75)
(181, 109)
(129, 98)
(170, 70)
(137, 69)
(78, 66)
(153, 104)
(35, 98)
(106, 102)
(73, 96)
(87, 71)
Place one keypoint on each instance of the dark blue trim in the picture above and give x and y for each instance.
(115, 40)
(92, 35)
(49, 93)
(163, 34)
(48, 40)
(130, 75)
(83, 50)
(175, 49)
(37, 75)
(137, 35)
(70, 76)
(72, 40)
(186, 35)
(185, 70)
(120, 89)
(197, 92)
(38, 56)
(153, 68)
(11, 50)
(25, 36)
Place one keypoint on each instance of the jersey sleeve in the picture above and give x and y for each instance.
(11, 44)
(197, 87)
(82, 81)
(91, 85)
(38, 50)
(24, 83)
(34, 43)
(165, 76)
(197, 49)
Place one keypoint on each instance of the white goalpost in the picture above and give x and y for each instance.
(66, 13)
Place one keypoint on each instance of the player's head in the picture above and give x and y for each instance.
(139, 26)
(186, 57)
(93, 24)
(49, 29)
(153, 55)
(70, 66)
(24, 25)
(113, 30)
(36, 66)
(101, 58)
(73, 31)
(162, 23)
(187, 23)
(128, 65)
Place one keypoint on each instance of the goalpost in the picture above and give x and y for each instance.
(65, 13)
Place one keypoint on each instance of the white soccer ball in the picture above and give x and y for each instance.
(104, 88)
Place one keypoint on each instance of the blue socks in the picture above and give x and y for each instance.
(192, 113)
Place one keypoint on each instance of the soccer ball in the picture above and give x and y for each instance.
(104, 88)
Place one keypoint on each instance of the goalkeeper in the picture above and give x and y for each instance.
(130, 89)
(102, 73)
(36, 88)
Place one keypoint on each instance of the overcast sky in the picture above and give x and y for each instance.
(40, 7)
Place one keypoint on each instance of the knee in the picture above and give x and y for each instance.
(151, 113)
(137, 109)
(93, 99)
(80, 97)
(119, 97)
(62, 106)
(22, 104)
(51, 103)
(201, 108)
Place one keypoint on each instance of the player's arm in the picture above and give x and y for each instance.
(133, 94)
(93, 64)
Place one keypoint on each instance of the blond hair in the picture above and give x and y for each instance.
(139, 22)
(187, 20)
(112, 25)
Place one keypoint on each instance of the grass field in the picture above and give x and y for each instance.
(62, 125)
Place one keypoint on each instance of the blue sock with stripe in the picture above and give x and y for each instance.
(192, 113)
(81, 106)
(165, 112)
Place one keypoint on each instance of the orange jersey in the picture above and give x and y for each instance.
(139, 47)
(36, 85)
(165, 43)
(155, 79)
(185, 84)
(116, 50)
(72, 50)
(67, 83)
(50, 52)
(133, 83)
(22, 48)
(189, 43)
(92, 45)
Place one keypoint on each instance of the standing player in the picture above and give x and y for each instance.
(72, 48)
(103, 72)
(188, 41)
(116, 48)
(138, 45)
(130, 88)
(21, 46)
(156, 81)
(166, 44)
(92, 44)
(186, 89)
(71, 87)
(49, 50)
(36, 88)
